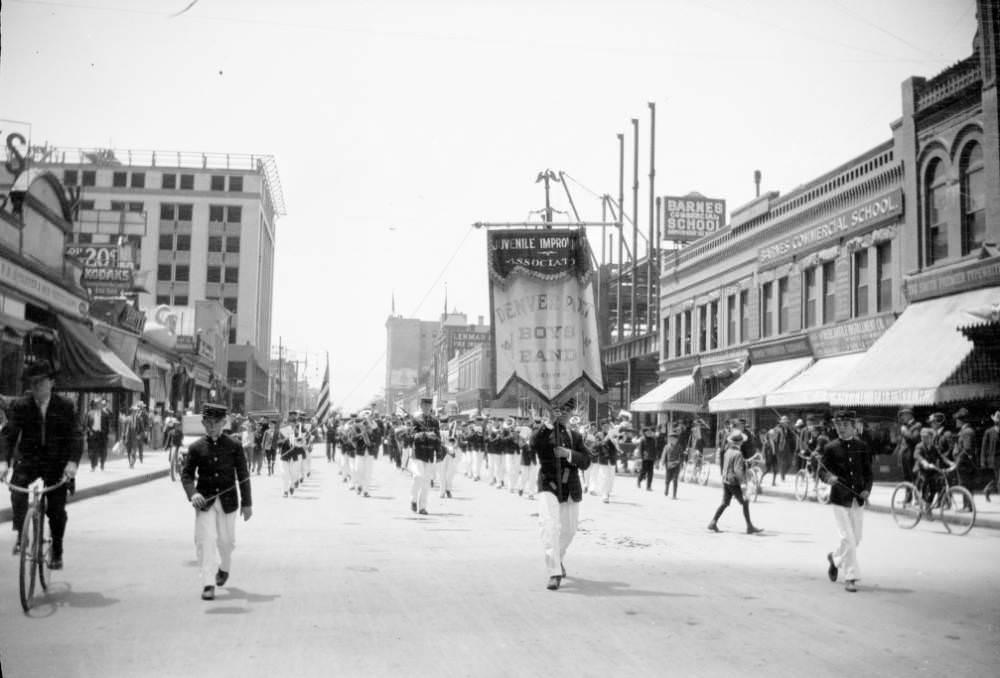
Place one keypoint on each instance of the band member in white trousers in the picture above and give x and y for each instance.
(426, 446)
(446, 469)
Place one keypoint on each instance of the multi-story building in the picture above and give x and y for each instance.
(409, 359)
(210, 223)
(851, 290)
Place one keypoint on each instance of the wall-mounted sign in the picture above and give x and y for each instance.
(798, 347)
(690, 217)
(37, 287)
(980, 273)
(850, 337)
(103, 271)
(463, 340)
(869, 213)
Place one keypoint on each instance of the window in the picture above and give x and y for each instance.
(860, 281)
(184, 212)
(745, 315)
(187, 182)
(180, 300)
(218, 183)
(783, 309)
(229, 303)
(237, 370)
(936, 213)
(162, 299)
(182, 273)
(883, 277)
(69, 177)
(163, 272)
(233, 243)
(678, 338)
(810, 298)
(169, 181)
(86, 204)
(134, 240)
(119, 179)
(731, 317)
(767, 309)
(234, 214)
(183, 242)
(232, 335)
(117, 206)
(687, 332)
(702, 327)
(135, 207)
(167, 212)
(89, 178)
(235, 184)
(213, 274)
(713, 325)
(665, 337)
(138, 180)
(215, 243)
(829, 292)
(166, 241)
(232, 275)
(973, 199)
(215, 213)
(84, 238)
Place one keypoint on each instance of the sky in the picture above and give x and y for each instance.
(398, 124)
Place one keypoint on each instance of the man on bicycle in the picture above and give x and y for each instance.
(928, 464)
(44, 439)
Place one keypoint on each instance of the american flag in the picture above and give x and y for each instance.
(323, 406)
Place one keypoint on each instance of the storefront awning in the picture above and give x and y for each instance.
(89, 365)
(658, 399)
(814, 384)
(748, 392)
(912, 363)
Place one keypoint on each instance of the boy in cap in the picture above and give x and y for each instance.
(216, 480)
(43, 440)
(671, 458)
(846, 466)
(733, 473)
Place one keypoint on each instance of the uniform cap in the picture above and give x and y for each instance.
(37, 370)
(845, 415)
(962, 413)
(736, 438)
(428, 401)
(214, 411)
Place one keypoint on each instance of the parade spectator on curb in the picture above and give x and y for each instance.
(909, 438)
(785, 446)
(963, 452)
(670, 460)
(990, 450)
(846, 466)
(647, 452)
(607, 454)
(733, 473)
(98, 426)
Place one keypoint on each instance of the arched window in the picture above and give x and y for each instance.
(973, 198)
(936, 212)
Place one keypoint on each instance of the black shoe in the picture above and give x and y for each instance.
(221, 577)
(16, 551)
(422, 512)
(553, 584)
(447, 493)
(850, 586)
(55, 564)
(208, 593)
(563, 568)
(712, 527)
(754, 530)
(413, 506)
(365, 494)
(831, 571)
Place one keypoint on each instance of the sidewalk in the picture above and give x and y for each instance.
(987, 513)
(115, 476)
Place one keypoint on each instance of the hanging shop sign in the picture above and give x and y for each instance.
(544, 327)
(104, 274)
(690, 217)
(867, 214)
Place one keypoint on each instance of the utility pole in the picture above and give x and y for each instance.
(281, 380)
(621, 231)
(546, 176)
(652, 245)
(635, 226)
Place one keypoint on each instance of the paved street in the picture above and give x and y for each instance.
(328, 583)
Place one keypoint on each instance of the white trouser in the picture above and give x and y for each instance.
(512, 464)
(446, 472)
(214, 540)
(478, 457)
(405, 457)
(423, 471)
(307, 461)
(529, 479)
(354, 469)
(585, 480)
(558, 526)
(496, 467)
(296, 470)
(605, 479)
(849, 527)
(286, 475)
(364, 477)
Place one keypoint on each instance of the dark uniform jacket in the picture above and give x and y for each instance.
(214, 466)
(555, 474)
(850, 461)
(426, 437)
(48, 448)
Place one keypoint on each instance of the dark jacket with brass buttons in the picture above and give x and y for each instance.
(215, 466)
(851, 462)
(559, 476)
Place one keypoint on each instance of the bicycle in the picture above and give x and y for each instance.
(176, 462)
(820, 490)
(753, 477)
(35, 545)
(697, 469)
(908, 505)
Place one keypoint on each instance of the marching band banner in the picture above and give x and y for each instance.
(544, 327)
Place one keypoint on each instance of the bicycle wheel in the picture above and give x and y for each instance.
(44, 550)
(905, 506)
(704, 472)
(801, 485)
(753, 484)
(958, 512)
(29, 533)
(822, 492)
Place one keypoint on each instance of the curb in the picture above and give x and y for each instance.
(6, 514)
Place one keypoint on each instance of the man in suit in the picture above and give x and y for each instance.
(846, 466)
(989, 453)
(43, 440)
(426, 442)
(216, 480)
(561, 457)
(98, 426)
